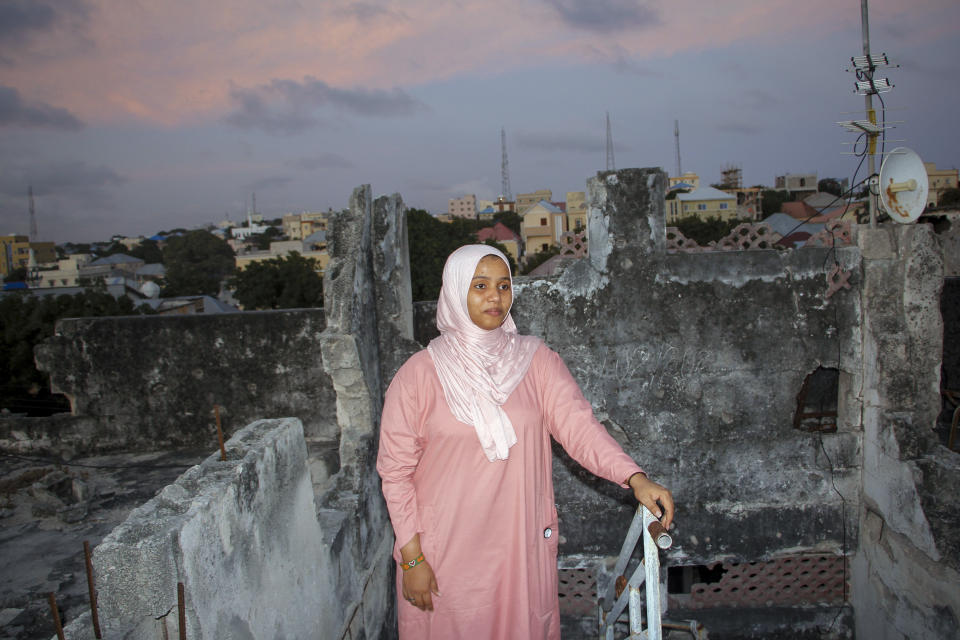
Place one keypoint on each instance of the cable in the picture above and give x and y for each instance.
(62, 463)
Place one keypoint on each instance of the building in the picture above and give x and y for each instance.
(252, 228)
(705, 202)
(314, 246)
(543, 224)
(486, 214)
(797, 184)
(464, 207)
(15, 253)
(527, 200)
(576, 210)
(689, 180)
(504, 235)
(501, 204)
(67, 272)
(939, 180)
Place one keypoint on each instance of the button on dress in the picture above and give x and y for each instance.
(488, 529)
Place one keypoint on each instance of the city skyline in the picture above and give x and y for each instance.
(128, 118)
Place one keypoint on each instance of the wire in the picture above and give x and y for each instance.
(63, 463)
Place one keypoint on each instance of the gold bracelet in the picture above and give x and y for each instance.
(406, 566)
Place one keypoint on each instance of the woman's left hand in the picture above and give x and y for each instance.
(653, 497)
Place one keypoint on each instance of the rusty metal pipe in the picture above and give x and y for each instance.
(223, 450)
(182, 611)
(92, 590)
(661, 538)
(56, 615)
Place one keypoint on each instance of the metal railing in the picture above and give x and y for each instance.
(626, 594)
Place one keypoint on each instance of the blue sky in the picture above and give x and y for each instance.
(130, 117)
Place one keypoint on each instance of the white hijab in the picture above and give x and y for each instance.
(478, 369)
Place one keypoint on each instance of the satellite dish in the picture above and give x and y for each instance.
(903, 185)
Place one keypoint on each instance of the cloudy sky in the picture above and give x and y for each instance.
(134, 116)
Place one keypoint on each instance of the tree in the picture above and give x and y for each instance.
(703, 231)
(29, 320)
(502, 249)
(773, 200)
(431, 241)
(539, 258)
(949, 198)
(148, 250)
(290, 282)
(16, 275)
(831, 186)
(262, 240)
(510, 219)
(196, 263)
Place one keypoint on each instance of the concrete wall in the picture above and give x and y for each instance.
(243, 537)
(908, 565)
(152, 381)
(694, 362)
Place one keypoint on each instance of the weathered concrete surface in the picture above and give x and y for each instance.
(694, 362)
(241, 535)
(908, 566)
(391, 266)
(151, 382)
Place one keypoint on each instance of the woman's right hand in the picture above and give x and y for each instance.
(419, 586)
(419, 583)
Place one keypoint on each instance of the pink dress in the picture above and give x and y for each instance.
(488, 529)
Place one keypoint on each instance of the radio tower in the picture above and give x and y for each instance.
(676, 137)
(611, 165)
(34, 236)
(504, 167)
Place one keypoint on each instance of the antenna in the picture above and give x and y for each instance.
(676, 136)
(903, 185)
(34, 235)
(504, 167)
(611, 165)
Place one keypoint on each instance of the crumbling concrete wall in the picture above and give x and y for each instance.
(908, 565)
(151, 382)
(694, 362)
(243, 538)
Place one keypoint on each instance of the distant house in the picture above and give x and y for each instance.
(464, 207)
(543, 224)
(576, 210)
(504, 235)
(705, 202)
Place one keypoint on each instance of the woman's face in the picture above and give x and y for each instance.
(490, 295)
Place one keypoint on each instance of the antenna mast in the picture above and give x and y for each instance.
(504, 167)
(34, 235)
(611, 165)
(676, 136)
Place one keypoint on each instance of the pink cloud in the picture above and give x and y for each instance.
(170, 63)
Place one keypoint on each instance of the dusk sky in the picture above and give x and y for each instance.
(134, 116)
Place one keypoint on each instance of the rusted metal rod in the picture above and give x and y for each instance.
(223, 450)
(56, 615)
(182, 611)
(93, 591)
(661, 538)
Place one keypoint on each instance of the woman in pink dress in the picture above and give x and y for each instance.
(465, 461)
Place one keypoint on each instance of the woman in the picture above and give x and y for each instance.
(465, 461)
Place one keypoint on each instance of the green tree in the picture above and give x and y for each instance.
(502, 249)
(539, 258)
(262, 240)
(27, 320)
(831, 186)
(196, 263)
(949, 198)
(773, 200)
(148, 250)
(431, 241)
(16, 275)
(510, 219)
(290, 282)
(704, 231)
